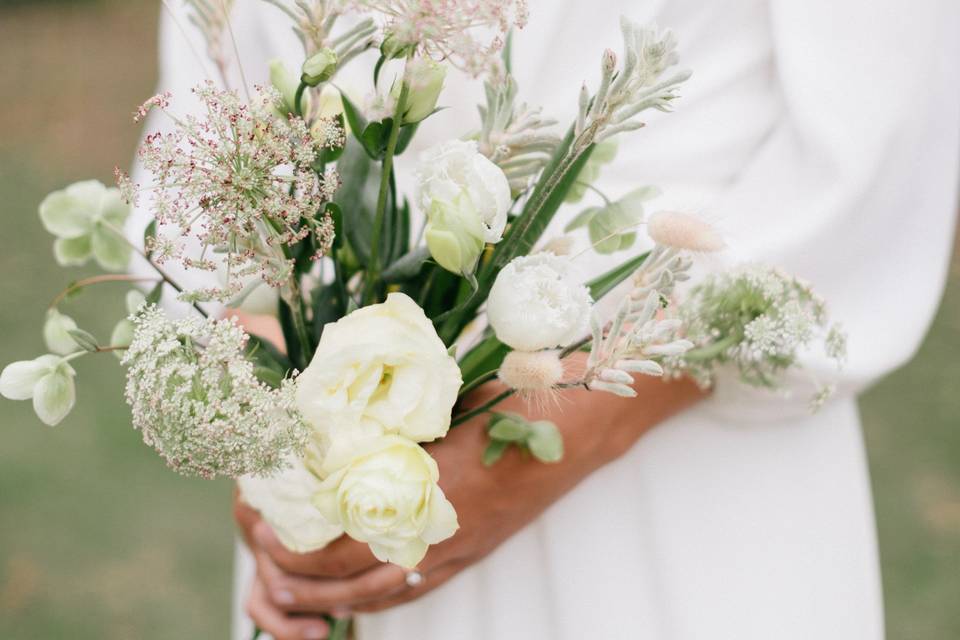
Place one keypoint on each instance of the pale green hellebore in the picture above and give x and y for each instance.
(87, 218)
(48, 380)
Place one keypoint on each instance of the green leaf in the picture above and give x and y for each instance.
(336, 214)
(407, 132)
(356, 121)
(374, 138)
(494, 451)
(357, 195)
(155, 294)
(264, 354)
(407, 267)
(605, 283)
(377, 68)
(509, 429)
(269, 376)
(545, 441)
(329, 306)
(84, 339)
(582, 219)
(485, 357)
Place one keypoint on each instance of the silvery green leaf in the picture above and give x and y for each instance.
(84, 339)
(545, 441)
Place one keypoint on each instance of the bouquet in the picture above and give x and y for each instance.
(394, 306)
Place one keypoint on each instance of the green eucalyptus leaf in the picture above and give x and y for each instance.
(84, 339)
(493, 452)
(509, 427)
(545, 441)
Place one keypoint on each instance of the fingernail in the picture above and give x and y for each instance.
(282, 596)
(314, 633)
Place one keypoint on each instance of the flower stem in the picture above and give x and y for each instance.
(297, 100)
(300, 326)
(163, 274)
(373, 271)
(486, 406)
(80, 284)
(339, 628)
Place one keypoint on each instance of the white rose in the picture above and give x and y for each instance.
(535, 304)
(388, 497)
(455, 169)
(381, 369)
(285, 501)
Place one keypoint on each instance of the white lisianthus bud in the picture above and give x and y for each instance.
(455, 174)
(454, 235)
(381, 369)
(683, 231)
(284, 500)
(531, 372)
(388, 497)
(424, 77)
(48, 380)
(56, 333)
(535, 304)
(319, 67)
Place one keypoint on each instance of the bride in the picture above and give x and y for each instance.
(821, 136)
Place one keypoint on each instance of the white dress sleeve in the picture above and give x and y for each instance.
(854, 189)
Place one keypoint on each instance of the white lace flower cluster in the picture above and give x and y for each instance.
(241, 180)
(758, 319)
(517, 138)
(467, 33)
(637, 86)
(194, 396)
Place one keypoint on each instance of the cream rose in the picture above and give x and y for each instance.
(285, 502)
(380, 370)
(388, 497)
(535, 304)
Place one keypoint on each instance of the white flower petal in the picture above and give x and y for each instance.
(54, 396)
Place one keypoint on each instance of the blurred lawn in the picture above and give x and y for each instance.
(99, 541)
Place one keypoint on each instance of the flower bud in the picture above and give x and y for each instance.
(319, 67)
(393, 48)
(454, 235)
(56, 333)
(425, 80)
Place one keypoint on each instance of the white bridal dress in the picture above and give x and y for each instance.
(819, 135)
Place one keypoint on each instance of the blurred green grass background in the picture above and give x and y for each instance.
(99, 541)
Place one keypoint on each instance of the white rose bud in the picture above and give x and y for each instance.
(48, 380)
(425, 79)
(284, 500)
(56, 333)
(535, 304)
(319, 67)
(381, 369)
(388, 497)
(454, 235)
(454, 175)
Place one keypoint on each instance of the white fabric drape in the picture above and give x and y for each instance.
(821, 136)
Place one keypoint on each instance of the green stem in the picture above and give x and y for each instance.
(300, 326)
(711, 350)
(257, 632)
(373, 272)
(486, 406)
(339, 628)
(298, 99)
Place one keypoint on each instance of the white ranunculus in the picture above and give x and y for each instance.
(381, 369)
(455, 169)
(48, 380)
(285, 501)
(388, 497)
(536, 304)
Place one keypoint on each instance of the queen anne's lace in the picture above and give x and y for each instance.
(467, 33)
(241, 180)
(195, 398)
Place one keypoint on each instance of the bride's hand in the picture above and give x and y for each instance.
(492, 504)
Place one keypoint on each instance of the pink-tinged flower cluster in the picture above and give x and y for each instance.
(467, 33)
(241, 180)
